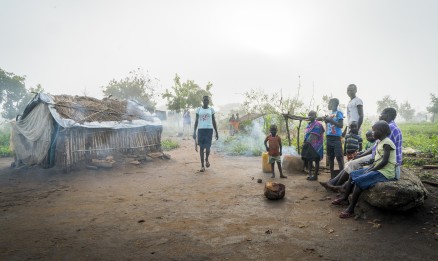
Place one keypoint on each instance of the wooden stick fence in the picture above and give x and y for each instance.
(81, 144)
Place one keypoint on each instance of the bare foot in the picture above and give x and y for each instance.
(329, 186)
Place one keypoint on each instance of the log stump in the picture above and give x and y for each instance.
(274, 190)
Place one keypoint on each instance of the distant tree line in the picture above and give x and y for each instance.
(14, 96)
(139, 86)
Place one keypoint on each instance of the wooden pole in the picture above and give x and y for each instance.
(298, 138)
(287, 128)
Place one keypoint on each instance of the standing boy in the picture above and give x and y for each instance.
(205, 123)
(335, 123)
(274, 149)
(354, 109)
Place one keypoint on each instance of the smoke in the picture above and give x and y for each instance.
(248, 142)
(289, 150)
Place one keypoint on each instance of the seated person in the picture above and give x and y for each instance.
(381, 170)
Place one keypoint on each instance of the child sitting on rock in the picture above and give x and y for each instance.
(383, 169)
(370, 140)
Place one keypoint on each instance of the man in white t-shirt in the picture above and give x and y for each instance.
(205, 123)
(354, 109)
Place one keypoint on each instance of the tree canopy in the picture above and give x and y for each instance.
(386, 102)
(13, 94)
(272, 106)
(136, 86)
(406, 111)
(187, 95)
(433, 108)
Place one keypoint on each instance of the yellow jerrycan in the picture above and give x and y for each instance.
(266, 167)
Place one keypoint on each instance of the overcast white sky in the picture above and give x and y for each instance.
(384, 47)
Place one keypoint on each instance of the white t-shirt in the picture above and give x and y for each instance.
(352, 112)
(205, 120)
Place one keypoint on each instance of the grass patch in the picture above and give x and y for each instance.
(422, 137)
(169, 144)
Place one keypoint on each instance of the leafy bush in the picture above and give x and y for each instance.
(422, 137)
(4, 144)
(169, 144)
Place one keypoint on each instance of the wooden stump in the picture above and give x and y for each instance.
(274, 190)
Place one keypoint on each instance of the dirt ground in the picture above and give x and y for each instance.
(167, 210)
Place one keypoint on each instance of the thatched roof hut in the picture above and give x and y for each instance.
(65, 130)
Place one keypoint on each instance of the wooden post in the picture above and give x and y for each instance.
(287, 128)
(298, 138)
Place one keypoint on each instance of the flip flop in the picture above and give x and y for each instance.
(346, 214)
(207, 164)
(340, 202)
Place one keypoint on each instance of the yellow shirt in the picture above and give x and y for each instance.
(389, 169)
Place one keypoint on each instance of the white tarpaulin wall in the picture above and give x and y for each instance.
(31, 136)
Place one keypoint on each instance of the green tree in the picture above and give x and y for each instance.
(433, 108)
(386, 102)
(13, 94)
(184, 96)
(136, 86)
(406, 111)
(271, 106)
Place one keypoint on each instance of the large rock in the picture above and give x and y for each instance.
(274, 190)
(402, 195)
(292, 163)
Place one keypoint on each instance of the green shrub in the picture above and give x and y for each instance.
(4, 144)
(169, 144)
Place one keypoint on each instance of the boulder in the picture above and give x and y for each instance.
(292, 163)
(274, 190)
(401, 195)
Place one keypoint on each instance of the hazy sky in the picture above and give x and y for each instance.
(384, 47)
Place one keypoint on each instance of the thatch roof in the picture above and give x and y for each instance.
(82, 108)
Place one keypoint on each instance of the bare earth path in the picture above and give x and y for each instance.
(166, 210)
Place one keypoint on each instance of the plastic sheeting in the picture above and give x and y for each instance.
(31, 136)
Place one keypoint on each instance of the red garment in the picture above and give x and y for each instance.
(273, 145)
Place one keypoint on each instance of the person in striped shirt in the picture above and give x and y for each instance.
(389, 115)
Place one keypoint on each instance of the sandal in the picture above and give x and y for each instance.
(340, 202)
(312, 178)
(346, 214)
(207, 164)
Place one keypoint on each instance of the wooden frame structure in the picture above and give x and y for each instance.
(288, 116)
